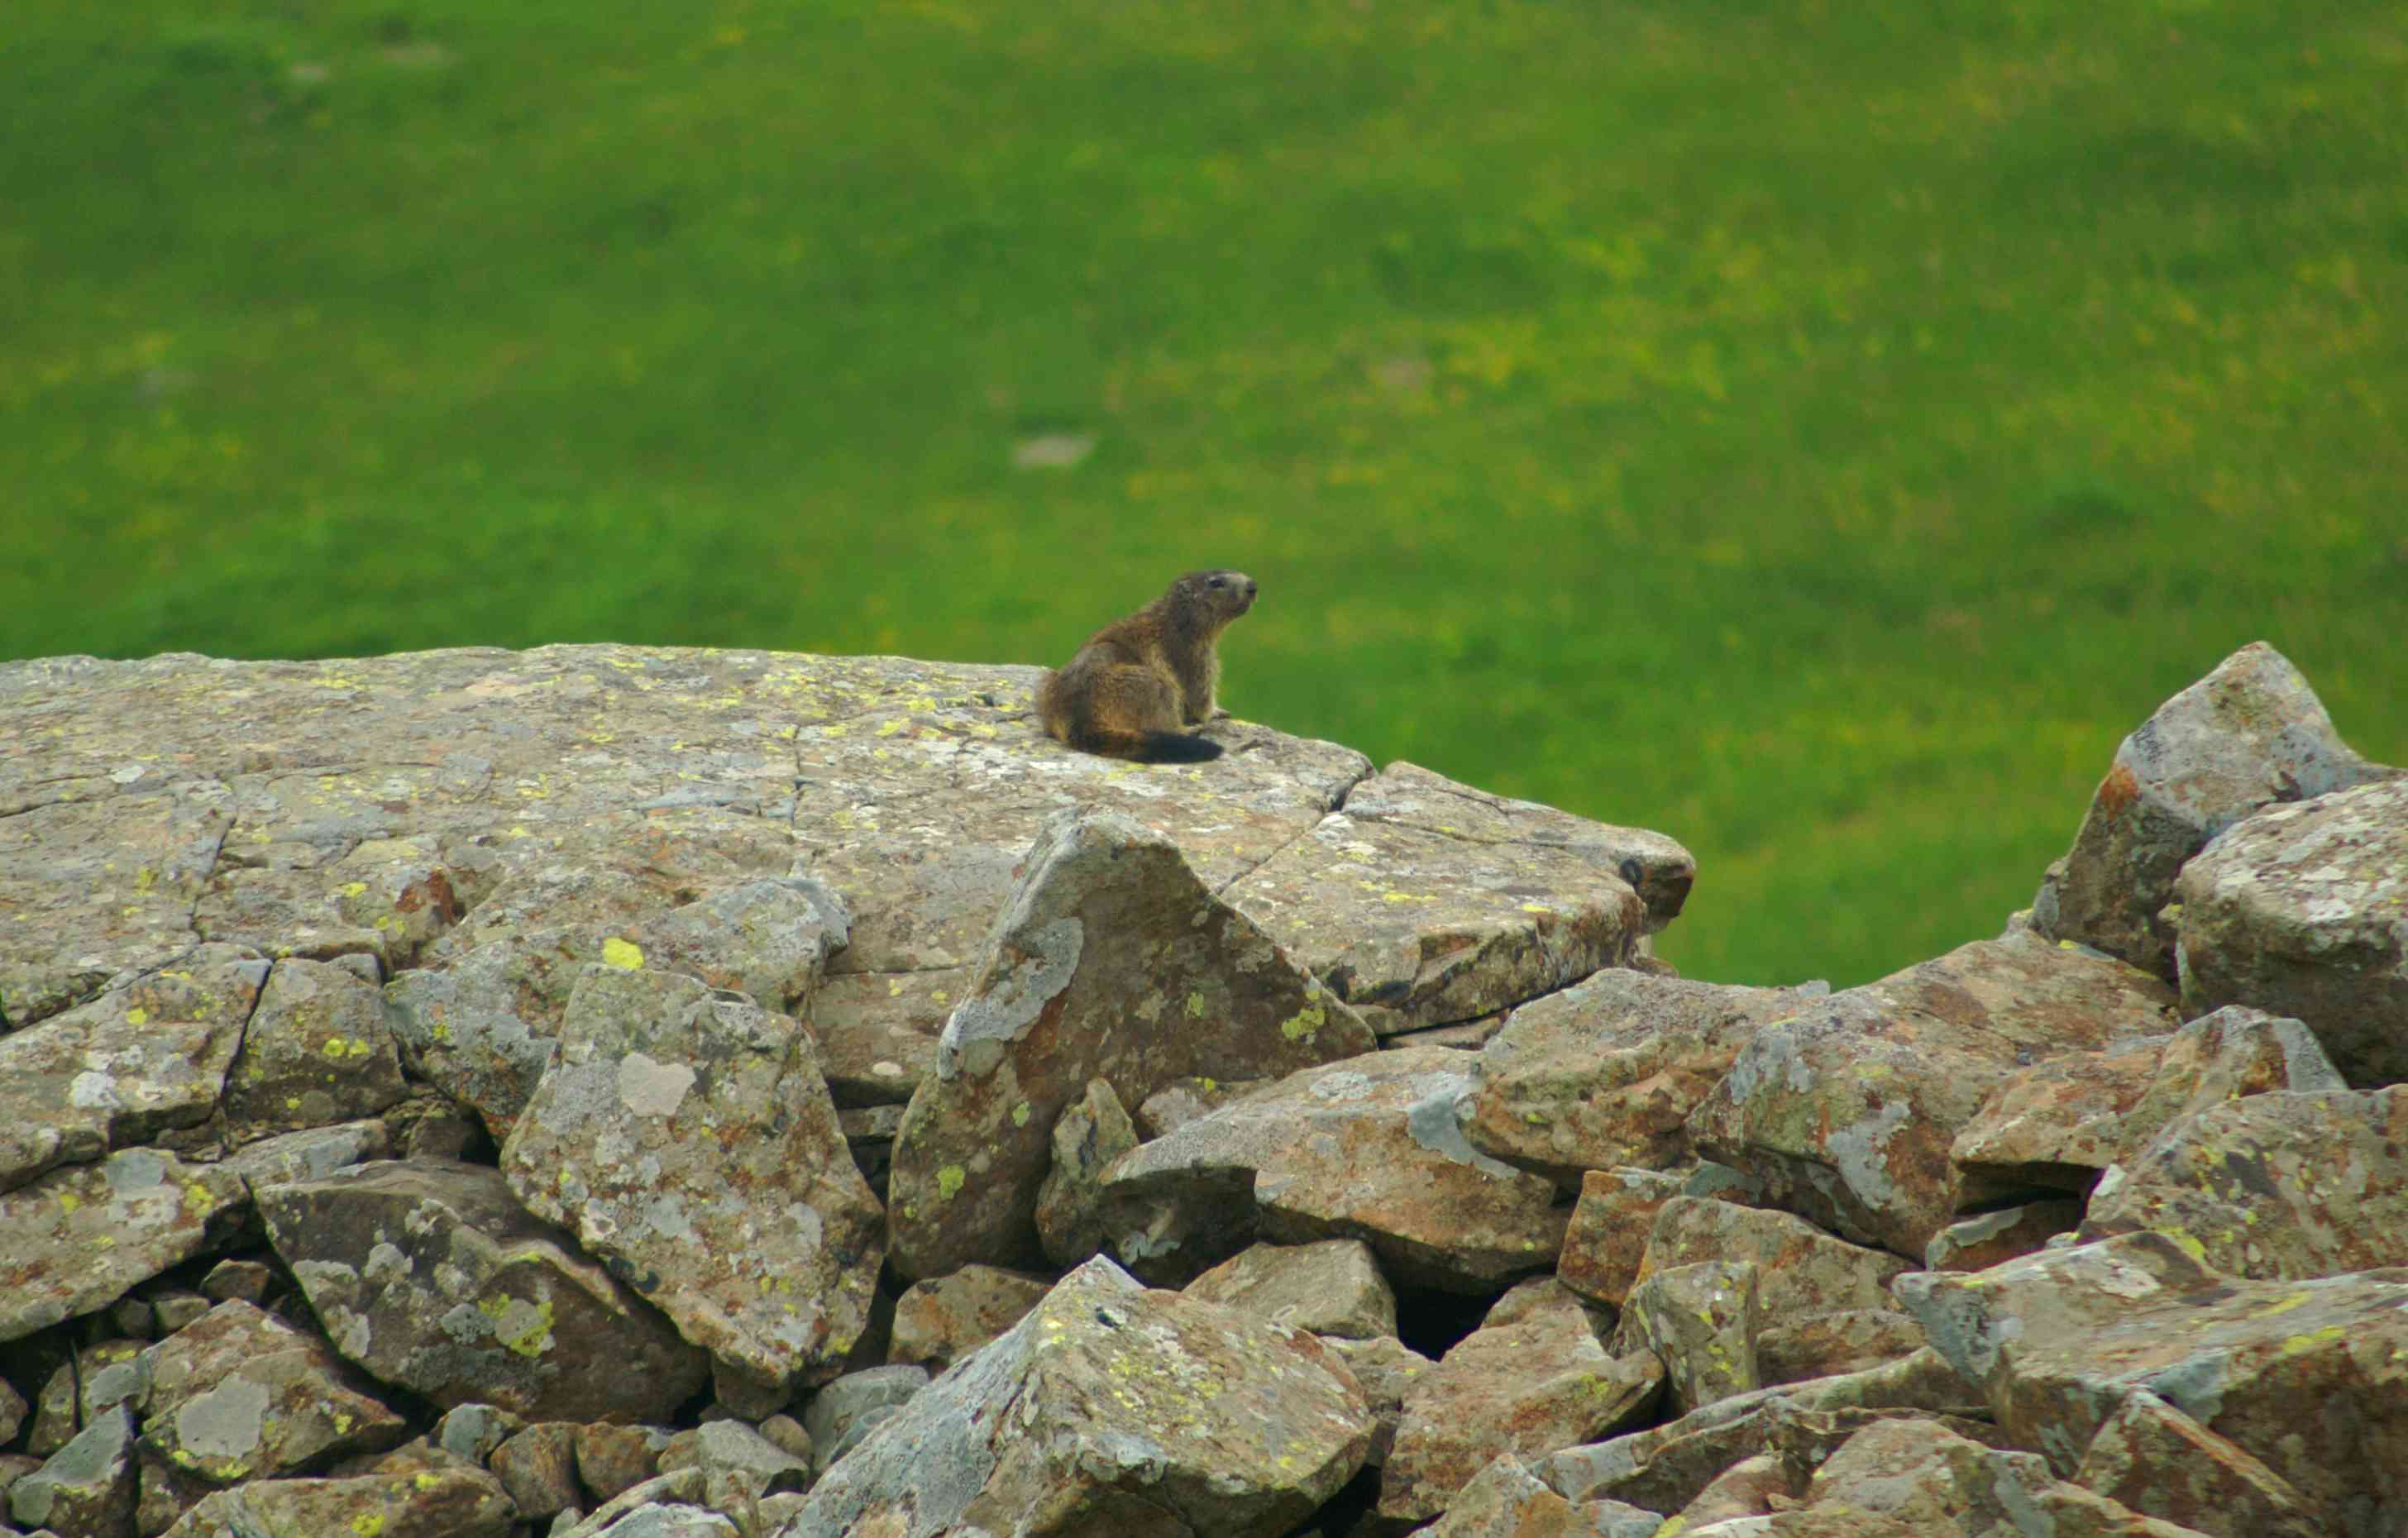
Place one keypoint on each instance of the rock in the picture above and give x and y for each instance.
(1920, 1472)
(614, 1460)
(1978, 1242)
(1606, 1072)
(2062, 1123)
(317, 1052)
(691, 1144)
(241, 1395)
(1331, 1288)
(1668, 1467)
(740, 1466)
(670, 1521)
(78, 1238)
(2302, 910)
(308, 1155)
(845, 1412)
(110, 869)
(2274, 1186)
(475, 1431)
(99, 1376)
(945, 1318)
(1528, 1383)
(86, 1489)
(1801, 1269)
(1701, 1320)
(1753, 1486)
(1387, 1368)
(1505, 1500)
(135, 1064)
(2306, 1377)
(539, 1468)
(1847, 1339)
(1607, 1236)
(12, 1412)
(172, 1309)
(1092, 1132)
(661, 1496)
(2057, 1125)
(788, 1433)
(247, 1280)
(1183, 1100)
(1117, 1376)
(431, 1277)
(1113, 961)
(2250, 733)
(1367, 1149)
(1847, 1113)
(450, 1503)
(485, 1029)
(1423, 901)
(2154, 1458)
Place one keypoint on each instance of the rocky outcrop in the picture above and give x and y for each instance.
(475, 1094)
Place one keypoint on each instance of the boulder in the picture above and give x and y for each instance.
(1088, 1135)
(1666, 1467)
(1802, 1271)
(1701, 1320)
(689, 1141)
(1606, 1072)
(1113, 961)
(945, 1318)
(1846, 1113)
(133, 1066)
(2309, 1377)
(241, 1395)
(2275, 1187)
(1422, 902)
(1821, 1346)
(485, 1027)
(1984, 1239)
(2250, 733)
(845, 1412)
(86, 1489)
(1330, 1288)
(1921, 1473)
(79, 1237)
(2158, 1460)
(1505, 1500)
(448, 1502)
(539, 1468)
(1112, 1408)
(1534, 1377)
(431, 1277)
(1387, 1368)
(2302, 910)
(317, 1052)
(1367, 1149)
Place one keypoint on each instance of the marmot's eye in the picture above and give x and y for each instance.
(1215, 582)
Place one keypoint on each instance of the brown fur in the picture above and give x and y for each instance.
(1138, 681)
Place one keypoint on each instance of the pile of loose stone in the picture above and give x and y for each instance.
(610, 1091)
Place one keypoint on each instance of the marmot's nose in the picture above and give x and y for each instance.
(1248, 583)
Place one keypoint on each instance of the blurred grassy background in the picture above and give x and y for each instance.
(1819, 432)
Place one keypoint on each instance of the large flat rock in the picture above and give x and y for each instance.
(417, 808)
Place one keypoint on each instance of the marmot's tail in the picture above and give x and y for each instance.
(1174, 748)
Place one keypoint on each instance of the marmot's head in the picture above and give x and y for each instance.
(1223, 595)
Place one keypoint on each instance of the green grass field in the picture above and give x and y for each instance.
(1819, 432)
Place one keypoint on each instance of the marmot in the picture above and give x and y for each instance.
(1138, 680)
